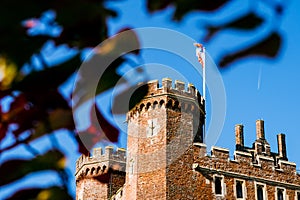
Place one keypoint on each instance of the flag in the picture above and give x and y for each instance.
(200, 53)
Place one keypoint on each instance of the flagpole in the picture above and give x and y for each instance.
(204, 92)
(200, 53)
(204, 74)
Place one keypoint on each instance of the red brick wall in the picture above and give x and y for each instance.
(90, 188)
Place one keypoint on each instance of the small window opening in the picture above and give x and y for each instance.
(279, 194)
(239, 189)
(218, 185)
(260, 192)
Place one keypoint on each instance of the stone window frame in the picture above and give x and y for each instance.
(223, 186)
(284, 192)
(243, 186)
(296, 194)
(264, 190)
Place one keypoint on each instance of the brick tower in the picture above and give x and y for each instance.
(161, 131)
(100, 176)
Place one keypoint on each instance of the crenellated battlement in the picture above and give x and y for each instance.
(245, 160)
(179, 88)
(100, 162)
(177, 98)
(257, 157)
(218, 152)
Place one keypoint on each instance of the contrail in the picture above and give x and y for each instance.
(259, 78)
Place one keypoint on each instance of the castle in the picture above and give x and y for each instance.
(167, 159)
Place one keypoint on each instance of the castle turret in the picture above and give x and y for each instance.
(161, 131)
(101, 175)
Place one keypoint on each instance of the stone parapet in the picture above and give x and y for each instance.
(218, 152)
(101, 161)
(168, 97)
(287, 166)
(179, 88)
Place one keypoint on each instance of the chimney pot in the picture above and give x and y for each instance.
(260, 130)
(281, 146)
(239, 136)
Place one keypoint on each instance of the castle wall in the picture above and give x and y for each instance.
(265, 172)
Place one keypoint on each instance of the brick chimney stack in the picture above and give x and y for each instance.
(260, 130)
(281, 146)
(239, 136)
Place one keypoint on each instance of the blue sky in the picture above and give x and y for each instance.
(256, 88)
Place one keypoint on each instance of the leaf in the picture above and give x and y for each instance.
(89, 78)
(23, 114)
(61, 118)
(154, 5)
(99, 129)
(18, 103)
(51, 160)
(3, 125)
(43, 112)
(183, 7)
(18, 47)
(51, 193)
(4, 93)
(84, 22)
(56, 120)
(47, 100)
(8, 70)
(109, 78)
(111, 132)
(3, 130)
(103, 65)
(26, 119)
(49, 78)
(133, 94)
(268, 47)
(247, 22)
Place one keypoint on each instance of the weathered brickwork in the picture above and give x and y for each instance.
(101, 175)
(253, 166)
(166, 158)
(160, 130)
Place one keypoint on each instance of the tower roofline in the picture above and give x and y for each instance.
(180, 97)
(107, 158)
(176, 87)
